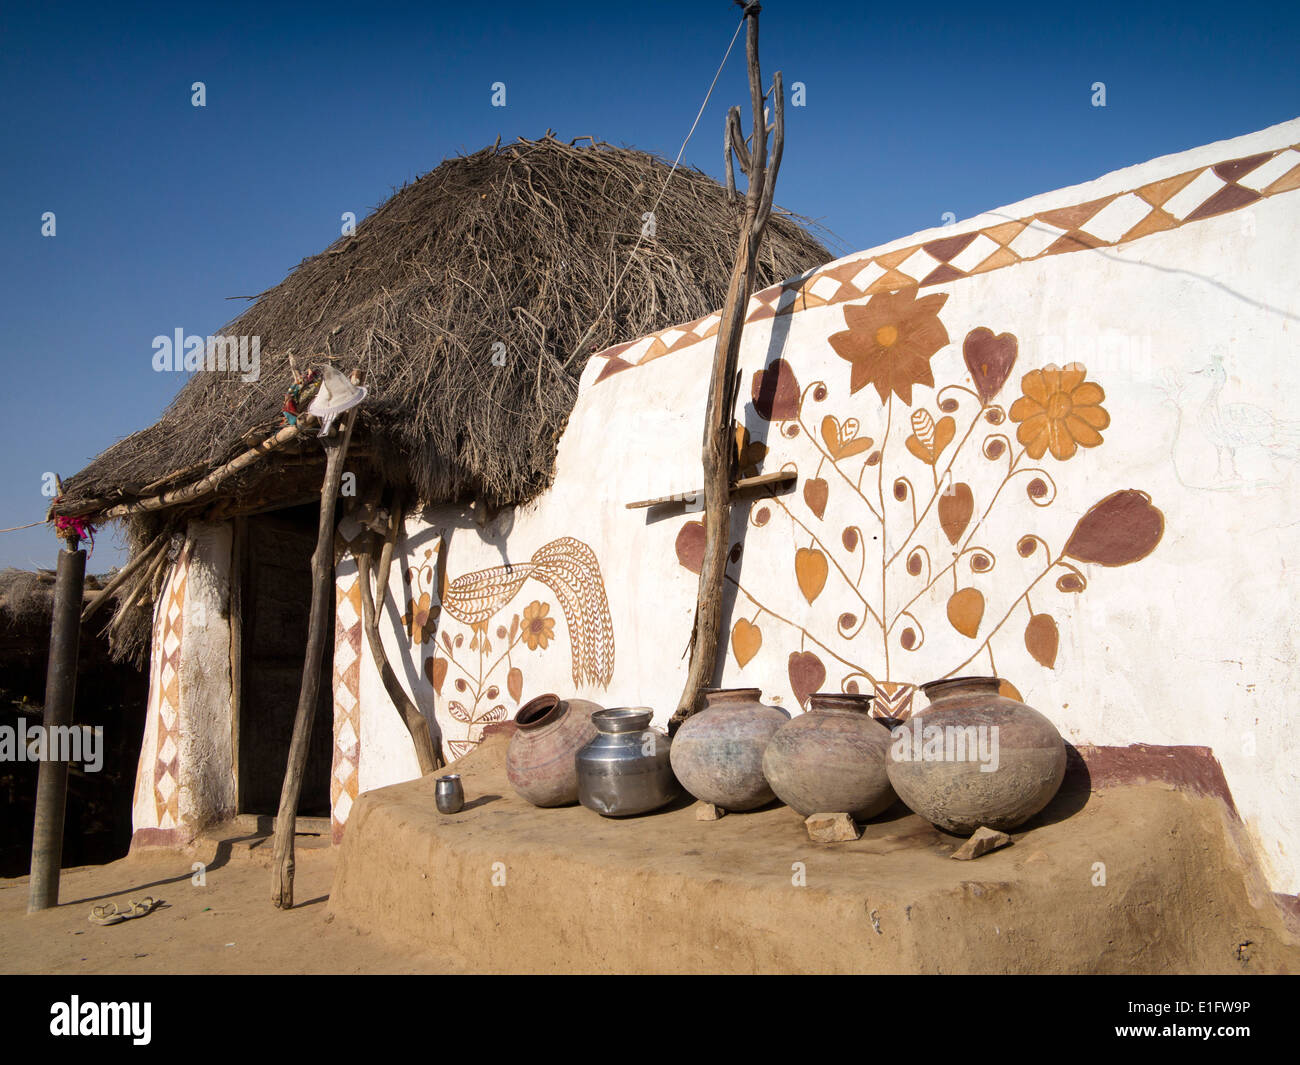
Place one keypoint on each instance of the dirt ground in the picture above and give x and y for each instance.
(226, 926)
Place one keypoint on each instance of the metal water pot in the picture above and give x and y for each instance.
(625, 770)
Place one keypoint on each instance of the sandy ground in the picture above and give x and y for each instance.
(226, 926)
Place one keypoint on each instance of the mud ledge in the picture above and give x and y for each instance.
(667, 893)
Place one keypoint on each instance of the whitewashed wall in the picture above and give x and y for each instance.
(1171, 283)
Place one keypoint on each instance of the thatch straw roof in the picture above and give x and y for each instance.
(518, 245)
(27, 604)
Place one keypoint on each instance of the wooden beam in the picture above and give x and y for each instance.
(745, 488)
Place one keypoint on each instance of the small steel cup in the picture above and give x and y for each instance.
(449, 795)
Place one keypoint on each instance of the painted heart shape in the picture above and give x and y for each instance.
(842, 440)
(966, 611)
(810, 569)
(775, 392)
(1122, 528)
(690, 546)
(815, 494)
(436, 670)
(956, 505)
(807, 675)
(746, 639)
(989, 359)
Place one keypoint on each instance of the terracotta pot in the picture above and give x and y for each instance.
(831, 759)
(974, 757)
(540, 759)
(717, 755)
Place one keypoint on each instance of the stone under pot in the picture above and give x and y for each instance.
(717, 755)
(625, 770)
(974, 757)
(831, 759)
(540, 760)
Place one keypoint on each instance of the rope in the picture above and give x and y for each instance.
(663, 188)
(30, 525)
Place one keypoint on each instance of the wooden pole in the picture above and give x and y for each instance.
(322, 576)
(719, 442)
(60, 693)
(426, 757)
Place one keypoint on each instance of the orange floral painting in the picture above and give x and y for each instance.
(947, 474)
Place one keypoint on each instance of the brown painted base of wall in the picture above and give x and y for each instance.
(144, 838)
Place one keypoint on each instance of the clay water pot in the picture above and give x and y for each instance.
(717, 755)
(974, 757)
(831, 759)
(540, 759)
(625, 770)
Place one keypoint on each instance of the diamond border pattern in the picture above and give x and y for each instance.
(1167, 203)
(167, 685)
(346, 763)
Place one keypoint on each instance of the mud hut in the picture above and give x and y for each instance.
(471, 301)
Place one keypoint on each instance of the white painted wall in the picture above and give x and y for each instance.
(1192, 645)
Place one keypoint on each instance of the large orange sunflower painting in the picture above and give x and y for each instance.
(1059, 411)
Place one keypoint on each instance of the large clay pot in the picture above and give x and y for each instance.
(540, 759)
(831, 759)
(625, 770)
(974, 757)
(717, 754)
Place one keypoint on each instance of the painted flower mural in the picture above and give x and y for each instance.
(889, 342)
(489, 650)
(1059, 411)
(899, 531)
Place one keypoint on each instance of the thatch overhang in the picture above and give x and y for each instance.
(510, 252)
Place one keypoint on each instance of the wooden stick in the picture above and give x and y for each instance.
(719, 446)
(123, 575)
(322, 574)
(744, 487)
(199, 489)
(429, 760)
(60, 693)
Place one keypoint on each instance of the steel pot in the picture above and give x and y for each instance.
(625, 770)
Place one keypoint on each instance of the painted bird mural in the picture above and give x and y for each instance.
(566, 566)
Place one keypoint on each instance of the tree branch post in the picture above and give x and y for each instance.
(322, 576)
(718, 451)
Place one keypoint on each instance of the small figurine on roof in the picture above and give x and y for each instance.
(300, 392)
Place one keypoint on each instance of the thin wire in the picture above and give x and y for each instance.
(663, 189)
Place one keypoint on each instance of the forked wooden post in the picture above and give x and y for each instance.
(60, 693)
(319, 628)
(719, 444)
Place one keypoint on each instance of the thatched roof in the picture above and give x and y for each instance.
(518, 245)
(27, 603)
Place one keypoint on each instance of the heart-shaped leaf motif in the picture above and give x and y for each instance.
(928, 444)
(956, 505)
(1124, 527)
(775, 392)
(690, 546)
(746, 639)
(436, 670)
(989, 359)
(966, 611)
(515, 683)
(807, 675)
(842, 440)
(1042, 638)
(815, 494)
(810, 569)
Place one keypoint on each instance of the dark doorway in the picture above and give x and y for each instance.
(275, 605)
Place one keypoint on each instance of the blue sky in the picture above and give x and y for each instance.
(165, 211)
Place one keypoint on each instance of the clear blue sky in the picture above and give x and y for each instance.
(165, 210)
